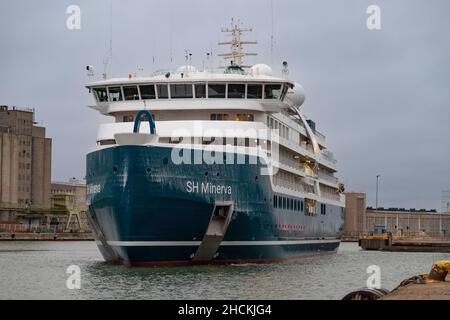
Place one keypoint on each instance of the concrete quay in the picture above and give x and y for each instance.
(393, 244)
(432, 286)
(426, 291)
(46, 236)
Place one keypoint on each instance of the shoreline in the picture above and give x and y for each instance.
(9, 237)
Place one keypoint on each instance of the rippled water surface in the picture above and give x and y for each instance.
(37, 270)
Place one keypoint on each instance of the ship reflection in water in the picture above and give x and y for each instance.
(37, 270)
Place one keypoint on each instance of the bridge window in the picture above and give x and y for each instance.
(254, 91)
(216, 91)
(131, 93)
(100, 94)
(245, 117)
(272, 91)
(284, 92)
(115, 94)
(181, 91)
(200, 91)
(236, 91)
(148, 92)
(163, 91)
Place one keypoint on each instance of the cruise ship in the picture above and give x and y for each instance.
(210, 166)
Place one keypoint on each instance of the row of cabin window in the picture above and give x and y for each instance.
(239, 142)
(214, 117)
(275, 124)
(239, 117)
(323, 209)
(288, 204)
(187, 91)
(294, 205)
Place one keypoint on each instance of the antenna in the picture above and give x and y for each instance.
(107, 61)
(272, 33)
(188, 57)
(171, 43)
(208, 61)
(105, 68)
(445, 201)
(237, 54)
(111, 36)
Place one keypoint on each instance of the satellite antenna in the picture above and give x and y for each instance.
(237, 54)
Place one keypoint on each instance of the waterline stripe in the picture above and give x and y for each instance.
(224, 243)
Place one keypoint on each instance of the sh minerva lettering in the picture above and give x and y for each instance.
(207, 188)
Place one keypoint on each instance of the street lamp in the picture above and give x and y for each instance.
(376, 197)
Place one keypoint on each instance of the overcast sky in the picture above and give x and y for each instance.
(382, 98)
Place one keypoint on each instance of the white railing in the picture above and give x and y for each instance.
(328, 178)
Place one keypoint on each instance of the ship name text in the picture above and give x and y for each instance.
(207, 188)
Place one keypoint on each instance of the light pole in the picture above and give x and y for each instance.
(376, 196)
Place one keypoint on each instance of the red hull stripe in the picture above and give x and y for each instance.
(222, 262)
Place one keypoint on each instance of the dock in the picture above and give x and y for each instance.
(427, 291)
(432, 286)
(66, 236)
(400, 244)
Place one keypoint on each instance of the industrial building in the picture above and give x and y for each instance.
(75, 191)
(29, 201)
(363, 220)
(25, 162)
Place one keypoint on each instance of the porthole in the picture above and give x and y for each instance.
(115, 170)
(149, 170)
(166, 161)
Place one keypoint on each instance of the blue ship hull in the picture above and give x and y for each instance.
(146, 210)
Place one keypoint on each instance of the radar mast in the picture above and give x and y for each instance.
(237, 53)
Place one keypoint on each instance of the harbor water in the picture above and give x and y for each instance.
(37, 270)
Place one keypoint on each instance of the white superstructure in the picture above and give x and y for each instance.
(233, 103)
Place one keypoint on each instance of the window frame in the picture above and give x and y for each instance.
(137, 90)
(237, 84)
(217, 84)
(195, 90)
(120, 91)
(148, 85)
(255, 85)
(187, 85)
(94, 90)
(157, 85)
(272, 84)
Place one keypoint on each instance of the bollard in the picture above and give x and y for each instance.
(440, 270)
